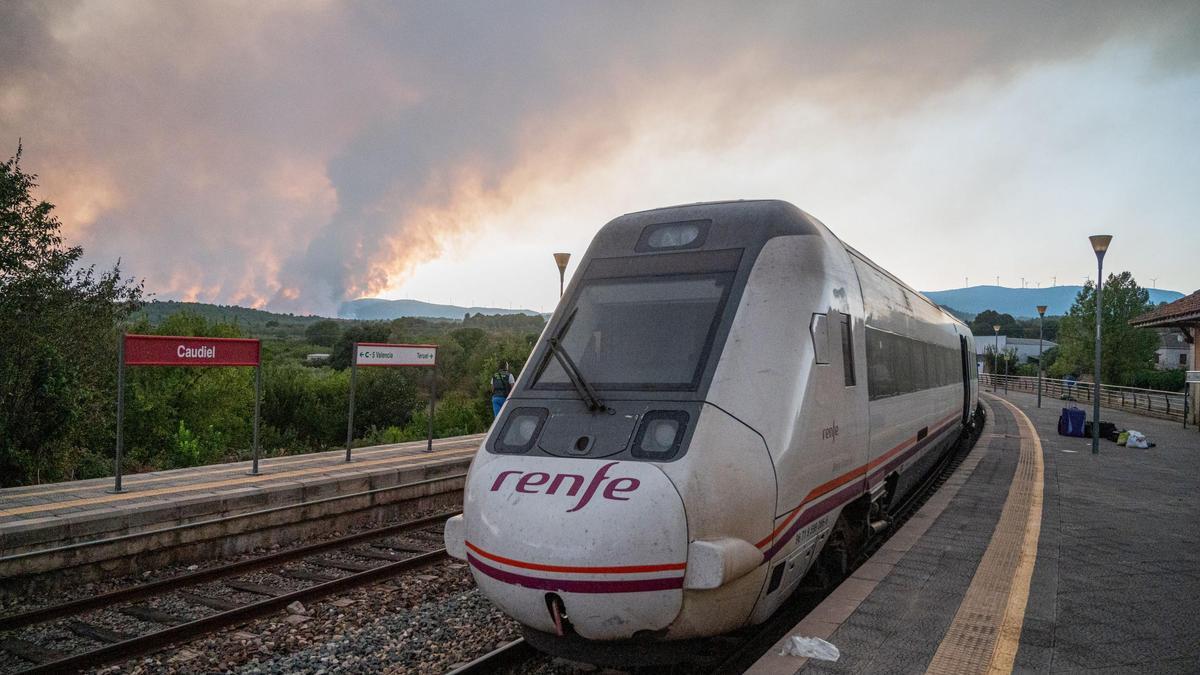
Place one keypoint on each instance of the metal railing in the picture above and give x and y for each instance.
(1171, 405)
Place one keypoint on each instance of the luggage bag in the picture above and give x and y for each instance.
(1071, 421)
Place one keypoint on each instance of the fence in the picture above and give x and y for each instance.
(1170, 405)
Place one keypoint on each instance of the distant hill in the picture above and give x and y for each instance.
(1022, 302)
(157, 310)
(379, 309)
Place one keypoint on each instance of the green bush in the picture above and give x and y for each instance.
(1163, 380)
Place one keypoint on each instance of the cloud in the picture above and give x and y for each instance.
(293, 155)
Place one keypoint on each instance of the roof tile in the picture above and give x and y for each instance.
(1187, 307)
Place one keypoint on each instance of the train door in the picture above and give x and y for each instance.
(967, 365)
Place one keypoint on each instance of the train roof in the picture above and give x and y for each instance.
(858, 254)
(747, 224)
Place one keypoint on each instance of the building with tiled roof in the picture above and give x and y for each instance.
(1184, 315)
(1185, 310)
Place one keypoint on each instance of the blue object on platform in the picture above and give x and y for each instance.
(1071, 421)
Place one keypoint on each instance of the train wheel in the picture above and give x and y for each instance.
(845, 542)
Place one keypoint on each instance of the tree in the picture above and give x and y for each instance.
(343, 349)
(1126, 351)
(982, 325)
(58, 332)
(325, 333)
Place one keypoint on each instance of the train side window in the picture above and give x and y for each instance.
(880, 383)
(847, 351)
(820, 337)
(902, 363)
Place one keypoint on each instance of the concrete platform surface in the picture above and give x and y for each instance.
(39, 517)
(1035, 556)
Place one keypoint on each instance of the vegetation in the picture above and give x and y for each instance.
(1126, 352)
(59, 326)
(58, 341)
(984, 321)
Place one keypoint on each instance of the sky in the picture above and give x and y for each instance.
(292, 155)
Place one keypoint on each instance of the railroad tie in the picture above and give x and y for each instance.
(219, 604)
(407, 548)
(305, 575)
(152, 615)
(29, 651)
(97, 633)
(342, 565)
(257, 589)
(379, 554)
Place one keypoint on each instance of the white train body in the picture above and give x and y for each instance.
(799, 381)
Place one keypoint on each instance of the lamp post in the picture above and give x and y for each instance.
(1100, 244)
(995, 357)
(1041, 326)
(1006, 366)
(561, 260)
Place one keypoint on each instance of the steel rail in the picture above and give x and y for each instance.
(174, 583)
(157, 640)
(231, 518)
(506, 656)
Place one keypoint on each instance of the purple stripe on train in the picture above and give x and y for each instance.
(576, 585)
(846, 495)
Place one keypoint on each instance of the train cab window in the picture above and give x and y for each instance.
(847, 350)
(648, 333)
(819, 329)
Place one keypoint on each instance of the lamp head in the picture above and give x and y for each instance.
(996, 328)
(1041, 310)
(1100, 243)
(561, 259)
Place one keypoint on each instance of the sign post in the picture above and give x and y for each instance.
(432, 403)
(389, 355)
(350, 417)
(120, 410)
(171, 350)
(1191, 379)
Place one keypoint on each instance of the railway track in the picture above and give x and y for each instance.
(508, 657)
(323, 568)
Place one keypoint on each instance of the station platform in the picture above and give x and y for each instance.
(1034, 556)
(51, 527)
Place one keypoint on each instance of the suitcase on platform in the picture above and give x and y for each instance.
(1071, 421)
(1108, 430)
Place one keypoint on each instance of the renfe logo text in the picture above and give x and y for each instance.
(539, 482)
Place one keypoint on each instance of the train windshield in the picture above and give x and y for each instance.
(641, 333)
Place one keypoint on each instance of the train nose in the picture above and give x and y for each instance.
(603, 542)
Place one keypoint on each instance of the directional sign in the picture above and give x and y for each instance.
(375, 354)
(167, 350)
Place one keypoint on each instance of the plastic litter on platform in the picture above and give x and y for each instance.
(810, 647)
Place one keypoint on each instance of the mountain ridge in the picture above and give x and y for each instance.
(380, 309)
(1023, 302)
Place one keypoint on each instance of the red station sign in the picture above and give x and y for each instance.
(166, 350)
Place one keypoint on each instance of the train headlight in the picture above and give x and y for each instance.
(666, 236)
(521, 430)
(674, 237)
(660, 434)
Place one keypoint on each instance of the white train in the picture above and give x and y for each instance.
(726, 394)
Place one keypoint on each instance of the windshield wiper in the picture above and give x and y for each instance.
(585, 390)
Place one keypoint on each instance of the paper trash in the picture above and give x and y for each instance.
(810, 647)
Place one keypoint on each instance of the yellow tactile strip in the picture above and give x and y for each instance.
(404, 461)
(986, 630)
